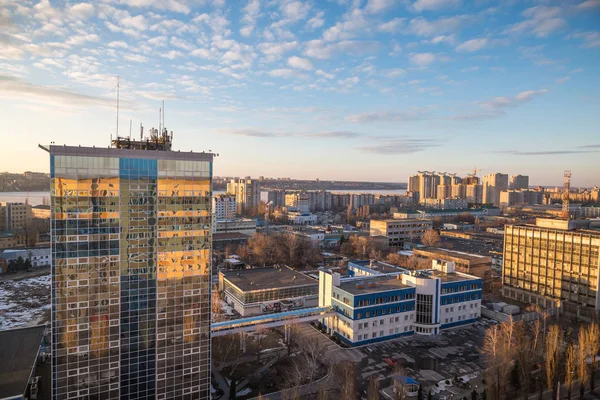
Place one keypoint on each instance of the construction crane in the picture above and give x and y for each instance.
(565, 195)
(475, 170)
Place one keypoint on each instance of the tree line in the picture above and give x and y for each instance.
(532, 356)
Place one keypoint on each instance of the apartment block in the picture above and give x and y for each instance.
(553, 263)
(492, 185)
(518, 182)
(14, 216)
(247, 194)
(399, 231)
(224, 206)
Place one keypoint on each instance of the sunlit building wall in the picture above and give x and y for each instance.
(131, 251)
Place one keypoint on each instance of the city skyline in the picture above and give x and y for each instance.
(310, 88)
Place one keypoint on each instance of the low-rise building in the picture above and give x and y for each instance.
(298, 218)
(468, 263)
(38, 257)
(371, 268)
(267, 290)
(246, 226)
(400, 231)
(11, 240)
(386, 306)
(41, 211)
(446, 203)
(433, 213)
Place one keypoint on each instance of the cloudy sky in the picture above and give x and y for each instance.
(330, 89)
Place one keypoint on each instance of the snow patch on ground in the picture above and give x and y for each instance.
(244, 392)
(24, 302)
(227, 309)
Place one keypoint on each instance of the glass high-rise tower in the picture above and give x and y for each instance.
(131, 256)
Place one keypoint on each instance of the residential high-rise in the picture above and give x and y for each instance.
(519, 182)
(224, 206)
(298, 200)
(14, 216)
(276, 197)
(247, 192)
(493, 184)
(428, 183)
(131, 256)
(553, 263)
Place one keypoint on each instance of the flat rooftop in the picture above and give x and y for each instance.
(382, 283)
(18, 352)
(451, 277)
(248, 280)
(473, 258)
(378, 266)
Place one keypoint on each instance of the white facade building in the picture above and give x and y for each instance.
(224, 206)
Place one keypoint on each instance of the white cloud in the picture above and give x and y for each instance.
(423, 59)
(81, 11)
(472, 45)
(172, 54)
(182, 44)
(586, 5)
(434, 5)
(542, 22)
(287, 73)
(202, 53)
(251, 12)
(409, 115)
(450, 39)
(138, 22)
(590, 39)
(379, 6)
(324, 74)
(394, 73)
(159, 41)
(316, 22)
(562, 80)
(422, 27)
(118, 44)
(166, 5)
(509, 102)
(470, 69)
(81, 39)
(391, 26)
(274, 51)
(294, 10)
(300, 63)
(349, 82)
(15, 88)
(351, 24)
(135, 58)
(321, 50)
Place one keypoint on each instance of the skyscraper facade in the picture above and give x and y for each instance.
(131, 251)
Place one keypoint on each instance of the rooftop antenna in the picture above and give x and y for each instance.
(118, 84)
(565, 196)
(160, 120)
(163, 114)
(141, 132)
(129, 129)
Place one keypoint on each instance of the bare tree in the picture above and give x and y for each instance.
(216, 307)
(373, 390)
(592, 342)
(498, 349)
(525, 356)
(322, 394)
(431, 238)
(552, 347)
(400, 385)
(570, 368)
(346, 376)
(313, 353)
(583, 374)
(260, 334)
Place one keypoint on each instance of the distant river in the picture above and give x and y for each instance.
(37, 198)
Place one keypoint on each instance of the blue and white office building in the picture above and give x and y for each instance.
(382, 306)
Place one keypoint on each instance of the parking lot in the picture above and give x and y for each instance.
(435, 361)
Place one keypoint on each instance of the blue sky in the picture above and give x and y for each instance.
(338, 89)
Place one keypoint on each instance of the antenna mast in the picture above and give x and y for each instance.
(565, 196)
(163, 114)
(118, 84)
